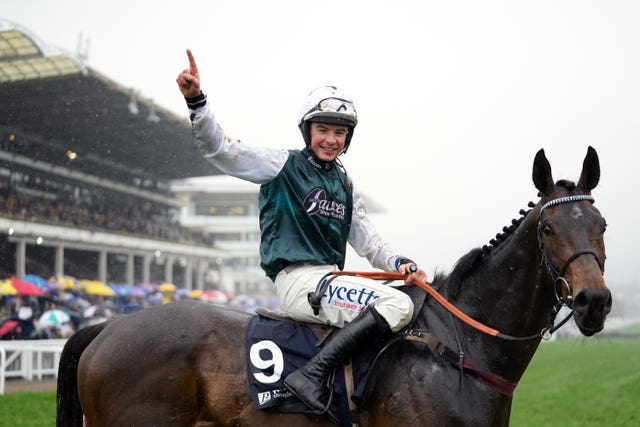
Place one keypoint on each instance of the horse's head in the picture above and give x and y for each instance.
(570, 235)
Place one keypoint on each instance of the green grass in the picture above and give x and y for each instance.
(36, 409)
(574, 382)
(581, 382)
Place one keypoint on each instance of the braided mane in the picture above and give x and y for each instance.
(469, 262)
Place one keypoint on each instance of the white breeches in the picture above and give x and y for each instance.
(344, 299)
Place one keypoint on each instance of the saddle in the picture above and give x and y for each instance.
(277, 344)
(319, 330)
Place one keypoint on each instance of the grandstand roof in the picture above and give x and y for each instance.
(88, 114)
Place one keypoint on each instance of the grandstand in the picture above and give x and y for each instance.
(85, 167)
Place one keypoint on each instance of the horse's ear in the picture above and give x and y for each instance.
(590, 174)
(542, 173)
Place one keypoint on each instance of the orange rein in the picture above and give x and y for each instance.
(385, 275)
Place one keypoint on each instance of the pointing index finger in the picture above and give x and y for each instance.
(193, 68)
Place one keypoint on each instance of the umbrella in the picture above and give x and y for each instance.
(143, 289)
(7, 327)
(211, 295)
(75, 303)
(121, 290)
(96, 287)
(138, 292)
(40, 282)
(101, 310)
(6, 288)
(25, 288)
(182, 292)
(167, 287)
(63, 282)
(53, 317)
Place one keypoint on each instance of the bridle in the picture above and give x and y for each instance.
(560, 283)
(556, 275)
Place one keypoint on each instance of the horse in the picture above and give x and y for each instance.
(184, 364)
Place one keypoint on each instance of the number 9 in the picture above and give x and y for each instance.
(276, 360)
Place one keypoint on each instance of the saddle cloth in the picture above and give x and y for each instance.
(275, 347)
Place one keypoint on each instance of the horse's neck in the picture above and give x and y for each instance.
(510, 283)
(507, 291)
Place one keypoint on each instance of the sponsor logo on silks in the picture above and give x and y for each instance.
(316, 203)
(354, 297)
(267, 396)
(281, 393)
(264, 397)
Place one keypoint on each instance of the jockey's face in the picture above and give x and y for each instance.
(327, 140)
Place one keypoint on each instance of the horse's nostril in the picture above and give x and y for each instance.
(596, 301)
(580, 301)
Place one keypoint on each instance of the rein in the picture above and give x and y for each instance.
(426, 286)
(457, 359)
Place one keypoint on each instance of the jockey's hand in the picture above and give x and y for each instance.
(412, 272)
(189, 79)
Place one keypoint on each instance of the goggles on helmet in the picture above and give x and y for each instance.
(333, 110)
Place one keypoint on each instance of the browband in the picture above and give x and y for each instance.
(566, 200)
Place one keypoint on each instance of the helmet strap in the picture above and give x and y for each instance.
(347, 180)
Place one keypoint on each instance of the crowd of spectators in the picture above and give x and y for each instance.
(92, 208)
(35, 149)
(58, 199)
(25, 312)
(20, 317)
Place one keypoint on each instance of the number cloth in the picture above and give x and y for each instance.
(274, 349)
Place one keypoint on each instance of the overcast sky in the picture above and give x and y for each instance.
(454, 97)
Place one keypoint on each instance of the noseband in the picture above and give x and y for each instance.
(557, 275)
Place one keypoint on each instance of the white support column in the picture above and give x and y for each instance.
(146, 268)
(59, 262)
(168, 269)
(130, 268)
(202, 268)
(21, 255)
(102, 266)
(188, 273)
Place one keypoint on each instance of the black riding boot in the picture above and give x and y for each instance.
(309, 383)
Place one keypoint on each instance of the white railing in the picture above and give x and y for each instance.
(29, 359)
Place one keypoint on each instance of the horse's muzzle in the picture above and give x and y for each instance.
(590, 309)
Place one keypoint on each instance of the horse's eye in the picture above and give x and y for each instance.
(547, 230)
(604, 225)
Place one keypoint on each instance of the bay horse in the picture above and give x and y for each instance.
(184, 363)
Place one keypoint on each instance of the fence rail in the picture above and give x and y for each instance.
(29, 359)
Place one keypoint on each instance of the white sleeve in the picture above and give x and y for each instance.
(366, 241)
(232, 157)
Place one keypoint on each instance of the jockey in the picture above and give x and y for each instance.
(309, 211)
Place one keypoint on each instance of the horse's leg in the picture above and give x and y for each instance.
(68, 409)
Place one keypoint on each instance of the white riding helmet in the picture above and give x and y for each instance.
(327, 104)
